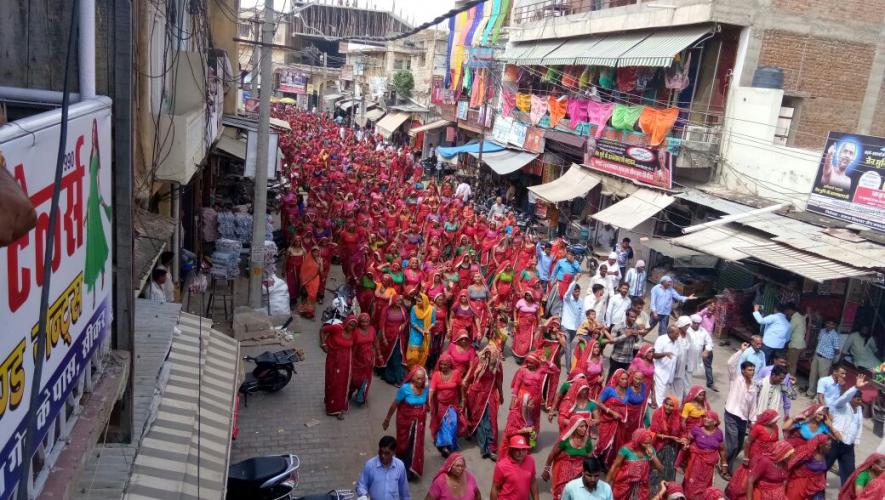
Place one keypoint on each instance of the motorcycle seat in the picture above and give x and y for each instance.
(257, 470)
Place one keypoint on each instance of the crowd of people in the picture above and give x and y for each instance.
(446, 291)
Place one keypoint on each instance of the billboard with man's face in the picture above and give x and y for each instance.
(850, 181)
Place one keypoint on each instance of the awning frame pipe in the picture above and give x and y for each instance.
(736, 217)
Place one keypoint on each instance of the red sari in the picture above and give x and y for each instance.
(485, 382)
(461, 359)
(293, 268)
(569, 463)
(608, 425)
(363, 361)
(763, 441)
(526, 337)
(805, 483)
(394, 320)
(446, 393)
(701, 466)
(410, 423)
(339, 357)
(526, 412)
(631, 481)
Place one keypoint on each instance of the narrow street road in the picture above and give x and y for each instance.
(333, 452)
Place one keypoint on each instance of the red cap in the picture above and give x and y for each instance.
(519, 442)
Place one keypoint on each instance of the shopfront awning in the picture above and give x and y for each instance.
(429, 126)
(721, 241)
(567, 53)
(332, 97)
(388, 125)
(374, 114)
(575, 183)
(185, 452)
(802, 263)
(537, 52)
(345, 104)
(471, 147)
(280, 124)
(514, 52)
(507, 161)
(634, 209)
(231, 146)
(665, 247)
(609, 49)
(661, 47)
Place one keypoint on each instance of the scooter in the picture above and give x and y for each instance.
(273, 371)
(272, 478)
(341, 307)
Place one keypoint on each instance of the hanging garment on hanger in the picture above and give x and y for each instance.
(644, 77)
(539, 108)
(524, 102)
(677, 76)
(598, 114)
(624, 117)
(607, 78)
(558, 107)
(511, 73)
(587, 77)
(552, 75)
(570, 76)
(577, 112)
(626, 79)
(657, 123)
(508, 101)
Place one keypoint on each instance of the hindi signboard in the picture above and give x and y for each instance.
(292, 81)
(501, 130)
(517, 133)
(849, 182)
(648, 165)
(79, 313)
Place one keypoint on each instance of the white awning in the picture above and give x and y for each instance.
(374, 114)
(576, 182)
(514, 51)
(665, 247)
(661, 47)
(345, 104)
(507, 161)
(331, 97)
(609, 49)
(280, 124)
(429, 126)
(802, 263)
(570, 51)
(390, 123)
(721, 241)
(537, 52)
(634, 209)
(231, 146)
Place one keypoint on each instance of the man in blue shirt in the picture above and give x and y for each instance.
(545, 260)
(588, 486)
(827, 350)
(776, 329)
(566, 266)
(830, 388)
(754, 355)
(662, 297)
(384, 476)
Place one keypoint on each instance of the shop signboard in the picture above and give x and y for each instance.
(79, 312)
(849, 182)
(252, 155)
(534, 140)
(501, 130)
(463, 107)
(347, 72)
(647, 165)
(292, 81)
(517, 134)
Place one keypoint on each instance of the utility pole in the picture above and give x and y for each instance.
(482, 123)
(323, 82)
(259, 204)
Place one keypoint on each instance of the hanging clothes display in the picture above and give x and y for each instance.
(626, 78)
(598, 114)
(607, 78)
(557, 106)
(508, 101)
(477, 94)
(511, 73)
(577, 112)
(586, 77)
(677, 75)
(524, 102)
(552, 75)
(624, 117)
(644, 77)
(657, 123)
(539, 108)
(570, 76)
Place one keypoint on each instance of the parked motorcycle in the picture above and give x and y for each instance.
(341, 306)
(272, 478)
(273, 371)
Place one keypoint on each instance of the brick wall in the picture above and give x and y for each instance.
(878, 126)
(843, 11)
(830, 75)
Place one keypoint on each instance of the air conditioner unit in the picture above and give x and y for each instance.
(696, 133)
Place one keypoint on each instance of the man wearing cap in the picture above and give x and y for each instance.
(613, 272)
(666, 350)
(635, 280)
(515, 477)
(700, 346)
(662, 297)
(682, 378)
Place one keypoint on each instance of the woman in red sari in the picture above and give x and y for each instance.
(462, 352)
(526, 396)
(410, 406)
(363, 359)
(768, 476)
(637, 402)
(479, 296)
(808, 470)
(526, 316)
(552, 346)
(337, 342)
(445, 393)
(707, 453)
(310, 277)
(866, 482)
(413, 274)
(365, 292)
(502, 287)
(643, 362)
(576, 402)
(566, 460)
(462, 317)
(393, 323)
(485, 393)
(294, 259)
(438, 330)
(666, 423)
(628, 475)
(762, 436)
(613, 414)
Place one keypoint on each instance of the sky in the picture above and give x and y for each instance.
(416, 11)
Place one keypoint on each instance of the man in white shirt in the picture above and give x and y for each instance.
(596, 300)
(498, 209)
(571, 316)
(635, 279)
(166, 265)
(155, 288)
(738, 403)
(618, 306)
(682, 380)
(463, 191)
(700, 347)
(847, 413)
(613, 274)
(666, 351)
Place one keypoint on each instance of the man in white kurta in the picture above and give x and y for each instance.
(666, 352)
(700, 344)
(681, 379)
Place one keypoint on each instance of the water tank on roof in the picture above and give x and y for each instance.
(769, 77)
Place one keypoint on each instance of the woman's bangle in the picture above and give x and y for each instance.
(547, 468)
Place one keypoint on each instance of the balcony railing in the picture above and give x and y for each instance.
(542, 9)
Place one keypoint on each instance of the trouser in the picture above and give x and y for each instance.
(663, 320)
(613, 366)
(769, 352)
(708, 369)
(820, 367)
(680, 384)
(661, 389)
(735, 433)
(793, 354)
(844, 454)
(567, 360)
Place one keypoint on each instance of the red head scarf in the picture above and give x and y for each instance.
(712, 415)
(671, 424)
(712, 493)
(767, 417)
(847, 491)
(413, 372)
(613, 380)
(445, 357)
(693, 393)
(779, 451)
(573, 424)
(449, 463)
(640, 436)
(807, 450)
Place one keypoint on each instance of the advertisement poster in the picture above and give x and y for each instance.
(292, 81)
(252, 155)
(652, 166)
(463, 106)
(79, 312)
(501, 130)
(849, 182)
(534, 140)
(517, 134)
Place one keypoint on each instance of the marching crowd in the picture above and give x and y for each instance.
(446, 291)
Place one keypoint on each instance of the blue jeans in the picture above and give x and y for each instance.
(663, 320)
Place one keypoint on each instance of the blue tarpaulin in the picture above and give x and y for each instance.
(473, 147)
